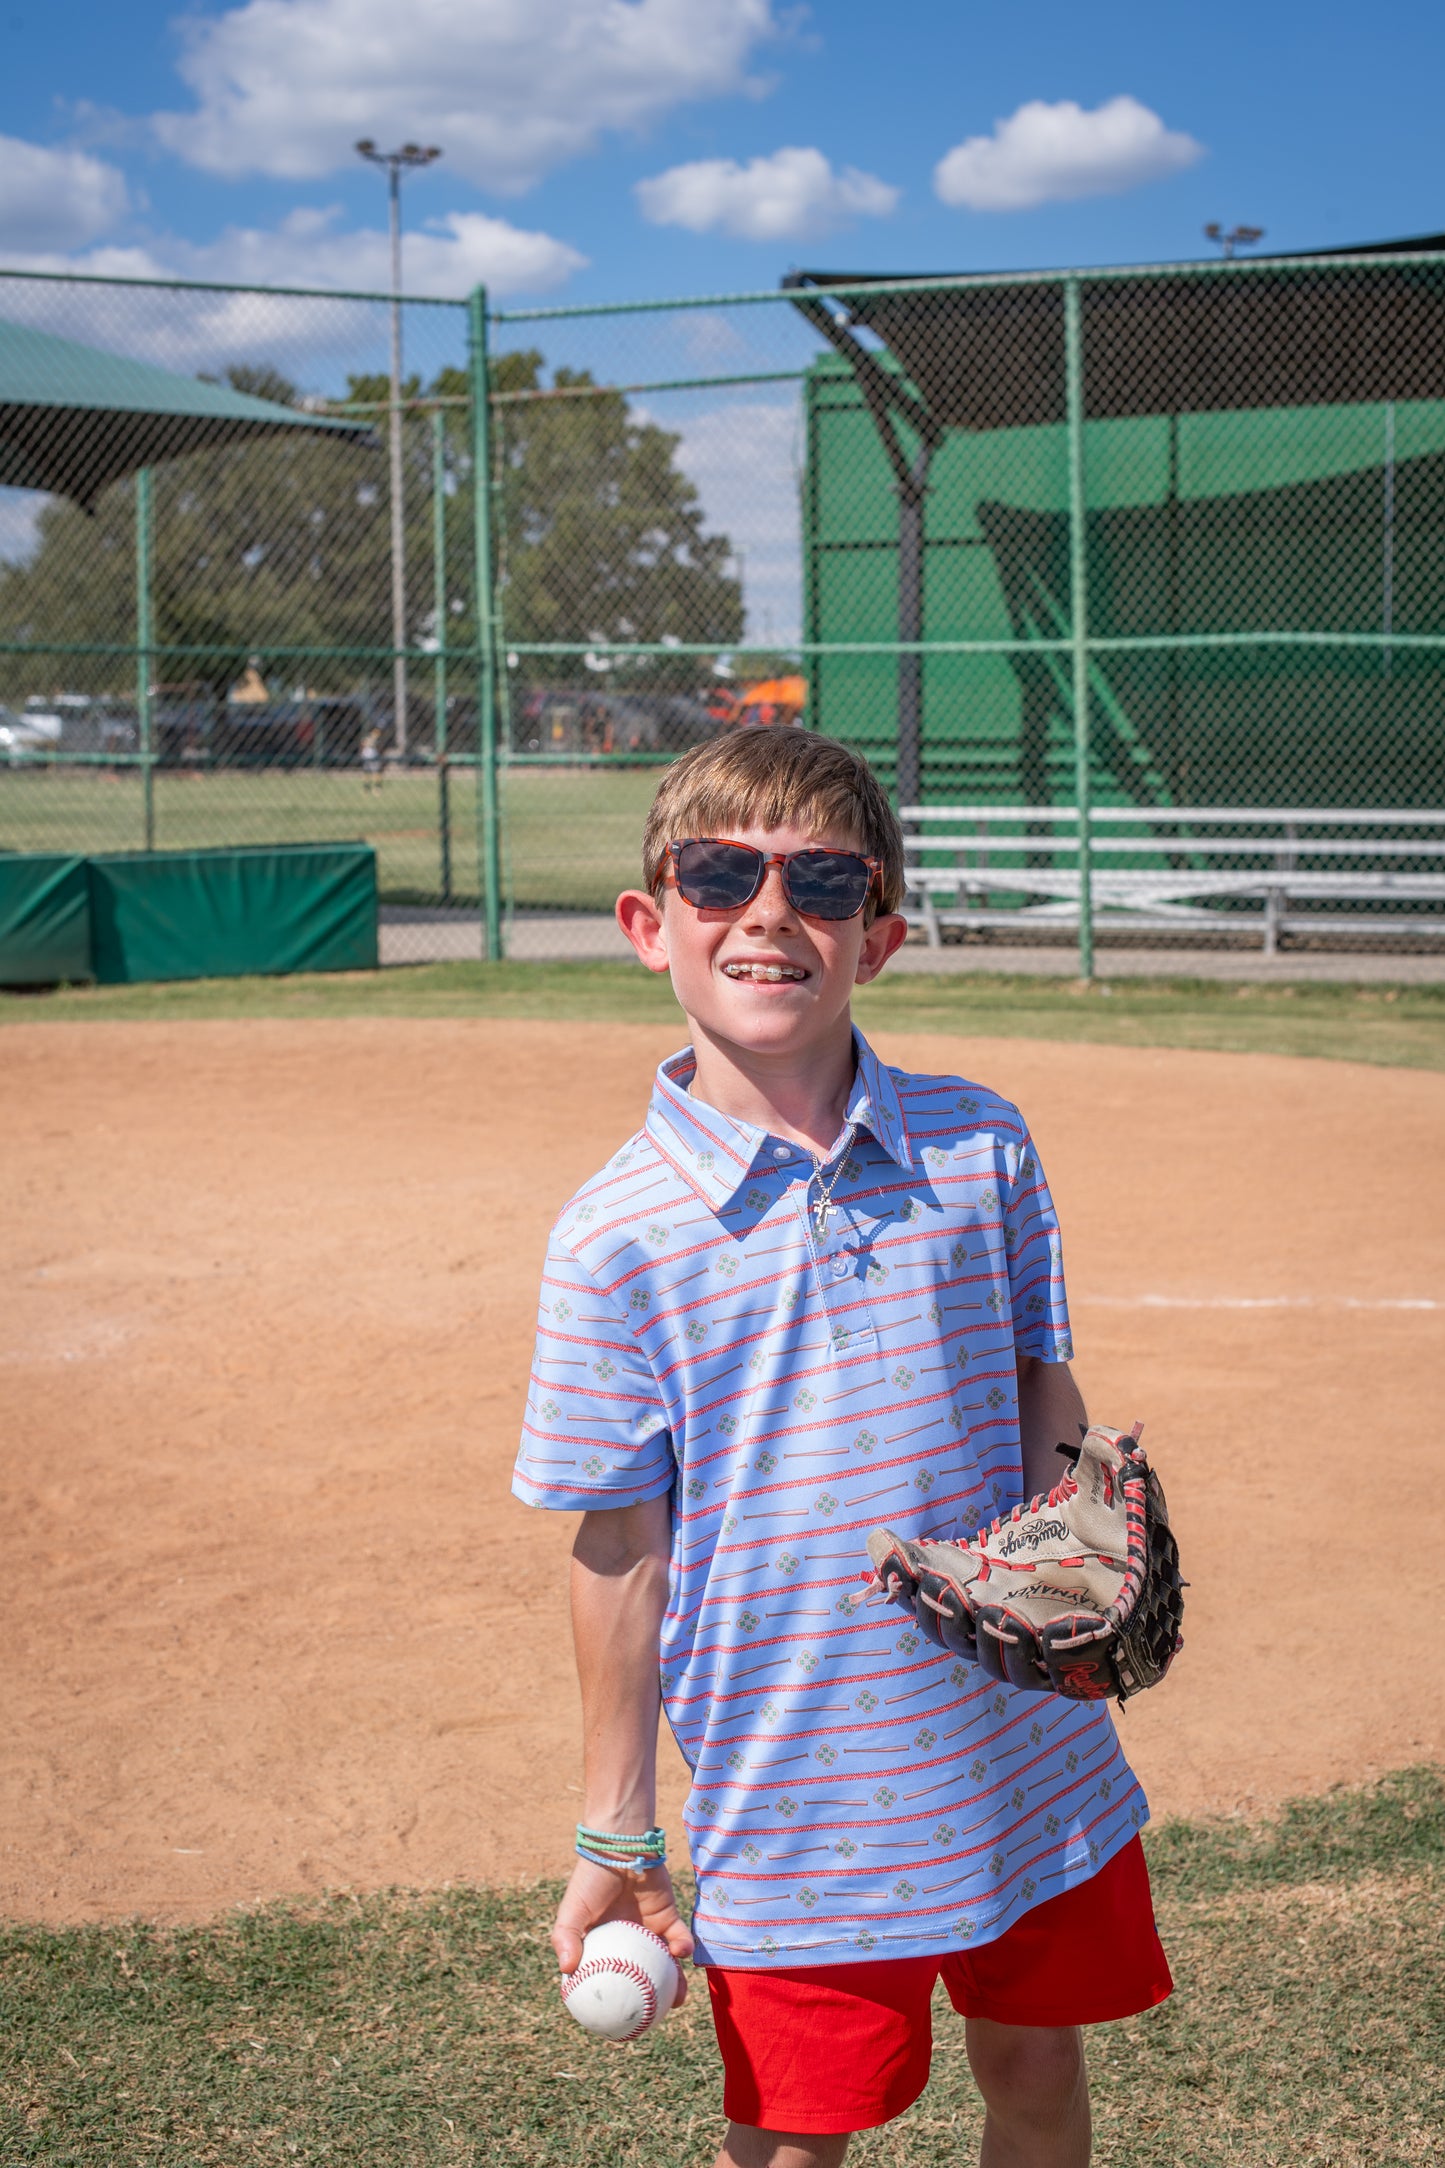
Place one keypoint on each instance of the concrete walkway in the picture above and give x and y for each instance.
(415, 935)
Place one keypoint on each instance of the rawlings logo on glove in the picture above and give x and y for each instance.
(1077, 1593)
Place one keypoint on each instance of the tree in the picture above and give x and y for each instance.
(601, 531)
(262, 544)
(283, 544)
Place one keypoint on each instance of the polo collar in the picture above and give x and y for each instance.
(715, 1155)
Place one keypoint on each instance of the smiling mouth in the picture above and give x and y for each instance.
(767, 974)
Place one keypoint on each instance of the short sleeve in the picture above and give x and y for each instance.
(596, 1431)
(1035, 1260)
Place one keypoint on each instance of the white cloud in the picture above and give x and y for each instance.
(20, 511)
(1053, 153)
(55, 198)
(709, 336)
(189, 330)
(744, 458)
(509, 88)
(793, 195)
(192, 331)
(447, 256)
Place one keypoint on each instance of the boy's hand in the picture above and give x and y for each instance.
(595, 1894)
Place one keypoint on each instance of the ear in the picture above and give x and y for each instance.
(883, 939)
(641, 918)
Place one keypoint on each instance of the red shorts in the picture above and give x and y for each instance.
(826, 2048)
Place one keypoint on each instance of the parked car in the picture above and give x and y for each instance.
(563, 719)
(19, 737)
(318, 730)
(67, 723)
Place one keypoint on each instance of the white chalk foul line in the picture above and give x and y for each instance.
(1263, 1302)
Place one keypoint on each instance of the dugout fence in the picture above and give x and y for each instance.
(1131, 584)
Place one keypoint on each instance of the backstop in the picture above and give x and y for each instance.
(1130, 582)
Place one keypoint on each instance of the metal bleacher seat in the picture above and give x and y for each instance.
(1266, 871)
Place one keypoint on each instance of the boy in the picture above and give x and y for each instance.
(813, 1294)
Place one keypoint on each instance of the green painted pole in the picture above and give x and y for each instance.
(145, 645)
(489, 856)
(1079, 617)
(439, 611)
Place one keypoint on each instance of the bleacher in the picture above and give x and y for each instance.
(1195, 872)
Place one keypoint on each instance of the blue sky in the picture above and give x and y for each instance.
(600, 149)
(589, 142)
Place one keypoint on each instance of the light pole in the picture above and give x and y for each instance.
(410, 156)
(1240, 237)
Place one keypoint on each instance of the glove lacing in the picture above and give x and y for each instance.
(1067, 1487)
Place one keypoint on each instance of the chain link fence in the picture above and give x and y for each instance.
(1131, 584)
(221, 621)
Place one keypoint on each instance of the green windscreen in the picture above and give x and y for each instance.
(1256, 529)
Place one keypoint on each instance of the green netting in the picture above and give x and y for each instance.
(1249, 527)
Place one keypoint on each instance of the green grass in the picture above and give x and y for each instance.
(1396, 1026)
(572, 835)
(405, 2030)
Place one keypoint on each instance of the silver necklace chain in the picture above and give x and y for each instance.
(823, 1208)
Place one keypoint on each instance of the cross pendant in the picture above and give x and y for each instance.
(822, 1212)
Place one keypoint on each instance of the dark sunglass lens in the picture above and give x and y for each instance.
(717, 876)
(828, 884)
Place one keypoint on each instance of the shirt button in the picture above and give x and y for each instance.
(840, 1268)
(782, 1151)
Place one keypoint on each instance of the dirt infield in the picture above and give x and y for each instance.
(273, 1623)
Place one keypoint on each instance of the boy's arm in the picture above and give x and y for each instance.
(619, 1592)
(1051, 1413)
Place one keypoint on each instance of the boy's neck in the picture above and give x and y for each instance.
(802, 1095)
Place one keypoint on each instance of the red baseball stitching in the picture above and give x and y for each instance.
(593, 1968)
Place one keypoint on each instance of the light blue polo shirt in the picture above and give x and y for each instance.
(857, 1793)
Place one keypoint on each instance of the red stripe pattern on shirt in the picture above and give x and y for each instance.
(856, 1792)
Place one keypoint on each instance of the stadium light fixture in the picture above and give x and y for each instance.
(1238, 237)
(408, 159)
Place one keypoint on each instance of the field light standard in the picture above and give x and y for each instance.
(1240, 237)
(410, 156)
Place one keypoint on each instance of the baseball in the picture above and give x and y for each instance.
(628, 1979)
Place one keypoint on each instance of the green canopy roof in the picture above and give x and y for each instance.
(74, 419)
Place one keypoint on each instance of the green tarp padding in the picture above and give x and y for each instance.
(44, 921)
(222, 913)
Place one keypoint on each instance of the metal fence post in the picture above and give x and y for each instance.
(145, 644)
(912, 498)
(1079, 617)
(1387, 568)
(439, 674)
(489, 857)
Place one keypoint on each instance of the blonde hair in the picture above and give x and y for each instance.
(780, 777)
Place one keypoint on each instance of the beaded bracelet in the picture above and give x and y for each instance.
(625, 1853)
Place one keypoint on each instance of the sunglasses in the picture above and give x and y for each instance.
(713, 874)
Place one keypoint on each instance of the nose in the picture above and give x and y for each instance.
(770, 906)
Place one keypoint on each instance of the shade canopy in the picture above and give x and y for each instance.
(1286, 331)
(73, 419)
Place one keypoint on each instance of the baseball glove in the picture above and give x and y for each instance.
(1077, 1593)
